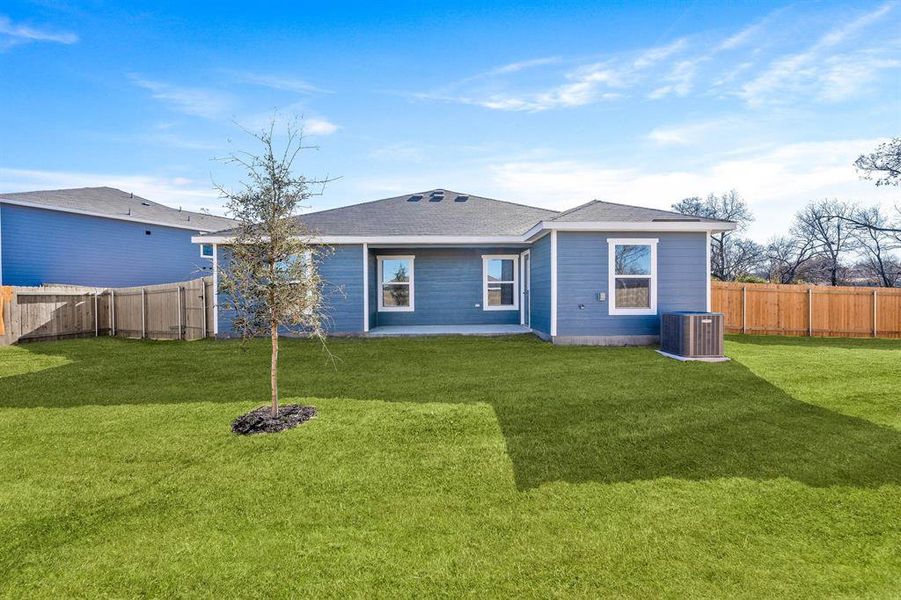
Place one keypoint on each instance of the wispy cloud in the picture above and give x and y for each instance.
(195, 101)
(277, 82)
(214, 104)
(584, 85)
(652, 56)
(750, 64)
(522, 65)
(293, 115)
(318, 126)
(810, 69)
(680, 79)
(685, 134)
(13, 34)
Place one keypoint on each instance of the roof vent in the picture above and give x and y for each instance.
(461, 198)
(415, 198)
(146, 204)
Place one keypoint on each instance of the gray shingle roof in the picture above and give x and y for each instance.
(597, 210)
(456, 214)
(476, 216)
(115, 203)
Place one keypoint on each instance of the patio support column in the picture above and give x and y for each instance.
(709, 302)
(365, 287)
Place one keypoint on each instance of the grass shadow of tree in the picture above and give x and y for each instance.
(567, 413)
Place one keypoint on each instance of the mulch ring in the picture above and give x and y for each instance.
(262, 421)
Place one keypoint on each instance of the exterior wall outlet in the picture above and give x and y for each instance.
(602, 296)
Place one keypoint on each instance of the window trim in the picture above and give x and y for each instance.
(381, 286)
(515, 259)
(202, 255)
(612, 243)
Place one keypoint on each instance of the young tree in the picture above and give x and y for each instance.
(269, 276)
(731, 255)
(824, 225)
(883, 164)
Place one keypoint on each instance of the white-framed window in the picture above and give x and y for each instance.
(396, 283)
(632, 272)
(500, 282)
(306, 261)
(206, 251)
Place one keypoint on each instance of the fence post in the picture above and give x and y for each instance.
(203, 302)
(96, 317)
(143, 313)
(810, 312)
(112, 307)
(178, 300)
(744, 309)
(875, 324)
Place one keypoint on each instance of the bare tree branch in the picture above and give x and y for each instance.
(823, 224)
(731, 255)
(883, 164)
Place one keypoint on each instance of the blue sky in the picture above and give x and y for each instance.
(550, 104)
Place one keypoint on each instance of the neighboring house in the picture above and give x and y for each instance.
(99, 237)
(440, 261)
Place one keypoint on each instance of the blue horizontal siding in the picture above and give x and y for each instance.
(541, 285)
(45, 246)
(341, 270)
(447, 289)
(582, 273)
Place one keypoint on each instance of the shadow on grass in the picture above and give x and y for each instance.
(567, 413)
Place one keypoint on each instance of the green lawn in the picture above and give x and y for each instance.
(452, 467)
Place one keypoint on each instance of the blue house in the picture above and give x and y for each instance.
(444, 262)
(100, 237)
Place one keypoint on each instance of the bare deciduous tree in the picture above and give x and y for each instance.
(787, 258)
(824, 225)
(731, 255)
(883, 164)
(269, 276)
(877, 246)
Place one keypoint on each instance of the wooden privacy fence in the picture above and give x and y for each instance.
(170, 311)
(771, 309)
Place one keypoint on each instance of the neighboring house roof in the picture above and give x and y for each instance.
(444, 216)
(600, 211)
(111, 203)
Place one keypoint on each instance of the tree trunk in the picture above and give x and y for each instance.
(273, 370)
